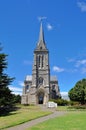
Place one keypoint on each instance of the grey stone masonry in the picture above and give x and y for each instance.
(40, 86)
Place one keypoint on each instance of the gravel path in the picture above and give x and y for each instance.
(36, 121)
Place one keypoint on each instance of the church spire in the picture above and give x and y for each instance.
(41, 34)
(41, 45)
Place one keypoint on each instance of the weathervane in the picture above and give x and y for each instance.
(41, 18)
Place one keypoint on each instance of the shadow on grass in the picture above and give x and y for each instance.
(6, 111)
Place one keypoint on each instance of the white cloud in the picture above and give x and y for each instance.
(82, 6)
(21, 83)
(83, 70)
(70, 59)
(72, 70)
(80, 62)
(49, 27)
(17, 93)
(64, 95)
(15, 90)
(58, 69)
(81, 66)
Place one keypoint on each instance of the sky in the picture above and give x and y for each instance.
(64, 25)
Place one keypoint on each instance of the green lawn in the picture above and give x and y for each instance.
(74, 120)
(24, 114)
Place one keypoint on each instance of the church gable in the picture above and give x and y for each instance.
(41, 46)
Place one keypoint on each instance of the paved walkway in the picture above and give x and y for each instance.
(36, 121)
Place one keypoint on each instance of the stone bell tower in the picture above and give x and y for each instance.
(41, 70)
(40, 86)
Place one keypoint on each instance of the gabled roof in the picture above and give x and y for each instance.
(28, 78)
(53, 78)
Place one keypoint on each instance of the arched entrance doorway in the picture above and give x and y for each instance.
(40, 98)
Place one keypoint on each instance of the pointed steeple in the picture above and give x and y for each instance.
(41, 45)
(41, 34)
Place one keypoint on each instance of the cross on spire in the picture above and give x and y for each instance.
(41, 18)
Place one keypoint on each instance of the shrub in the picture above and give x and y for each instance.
(60, 102)
(73, 103)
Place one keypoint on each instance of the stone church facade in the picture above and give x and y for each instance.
(40, 86)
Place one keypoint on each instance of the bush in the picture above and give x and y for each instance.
(60, 102)
(79, 107)
(73, 103)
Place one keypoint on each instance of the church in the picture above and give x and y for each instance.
(40, 87)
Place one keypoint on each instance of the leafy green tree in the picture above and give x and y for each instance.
(16, 98)
(5, 81)
(78, 92)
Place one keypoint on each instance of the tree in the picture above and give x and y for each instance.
(78, 92)
(5, 81)
(16, 98)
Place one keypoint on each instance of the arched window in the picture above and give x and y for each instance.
(39, 61)
(40, 80)
(53, 92)
(53, 87)
(27, 88)
(42, 61)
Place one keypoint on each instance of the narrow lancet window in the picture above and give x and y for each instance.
(39, 61)
(42, 61)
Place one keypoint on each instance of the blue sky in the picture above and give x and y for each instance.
(64, 27)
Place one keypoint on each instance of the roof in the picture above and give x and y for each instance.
(28, 78)
(53, 78)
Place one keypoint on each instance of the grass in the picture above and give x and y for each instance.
(71, 108)
(23, 114)
(62, 108)
(74, 120)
